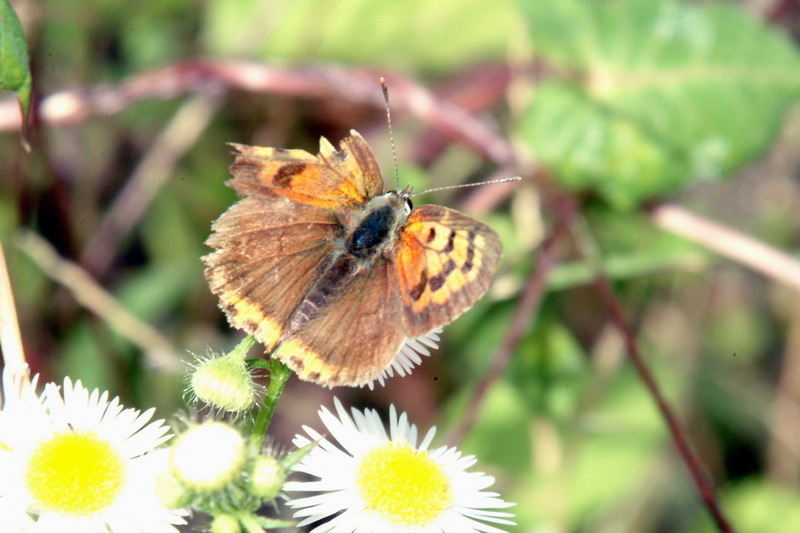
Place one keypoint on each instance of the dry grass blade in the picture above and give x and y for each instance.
(159, 351)
(10, 339)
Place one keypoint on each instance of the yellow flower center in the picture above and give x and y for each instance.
(404, 486)
(75, 473)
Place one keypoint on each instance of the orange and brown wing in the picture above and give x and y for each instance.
(268, 253)
(445, 261)
(355, 337)
(331, 179)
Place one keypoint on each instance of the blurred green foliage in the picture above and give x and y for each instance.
(410, 35)
(631, 100)
(651, 96)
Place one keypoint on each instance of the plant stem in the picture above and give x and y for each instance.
(278, 376)
(243, 347)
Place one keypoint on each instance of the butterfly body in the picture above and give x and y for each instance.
(370, 237)
(384, 216)
(332, 274)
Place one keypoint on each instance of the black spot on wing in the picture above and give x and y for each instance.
(450, 242)
(298, 363)
(417, 290)
(431, 235)
(284, 175)
(467, 266)
(437, 281)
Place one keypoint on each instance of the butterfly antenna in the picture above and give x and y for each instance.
(391, 133)
(465, 185)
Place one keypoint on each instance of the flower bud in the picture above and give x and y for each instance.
(266, 477)
(225, 383)
(208, 456)
(225, 523)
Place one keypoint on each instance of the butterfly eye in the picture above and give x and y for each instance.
(409, 205)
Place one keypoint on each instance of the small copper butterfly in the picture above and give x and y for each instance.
(331, 273)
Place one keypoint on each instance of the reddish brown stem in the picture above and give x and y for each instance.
(679, 439)
(355, 85)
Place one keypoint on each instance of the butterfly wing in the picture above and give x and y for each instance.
(274, 244)
(268, 253)
(332, 179)
(445, 261)
(356, 336)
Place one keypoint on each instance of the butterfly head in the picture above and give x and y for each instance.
(404, 195)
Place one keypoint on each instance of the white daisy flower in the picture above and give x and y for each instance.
(378, 482)
(22, 411)
(85, 464)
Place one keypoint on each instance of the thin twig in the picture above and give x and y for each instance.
(152, 172)
(679, 439)
(521, 323)
(159, 351)
(762, 258)
(354, 85)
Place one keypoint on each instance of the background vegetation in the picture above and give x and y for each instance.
(658, 148)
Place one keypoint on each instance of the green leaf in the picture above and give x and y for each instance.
(291, 460)
(404, 33)
(15, 74)
(650, 95)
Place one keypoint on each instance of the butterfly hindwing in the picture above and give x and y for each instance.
(355, 336)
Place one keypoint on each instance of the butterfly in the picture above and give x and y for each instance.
(331, 273)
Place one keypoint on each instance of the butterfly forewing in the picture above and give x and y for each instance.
(445, 261)
(332, 179)
(269, 252)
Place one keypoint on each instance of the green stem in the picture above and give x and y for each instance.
(250, 523)
(278, 376)
(243, 347)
